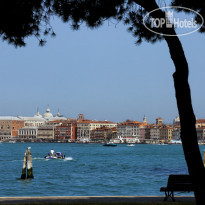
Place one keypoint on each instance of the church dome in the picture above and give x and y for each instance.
(48, 113)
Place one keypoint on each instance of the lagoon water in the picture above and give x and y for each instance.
(90, 169)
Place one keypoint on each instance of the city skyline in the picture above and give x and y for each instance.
(44, 114)
(100, 73)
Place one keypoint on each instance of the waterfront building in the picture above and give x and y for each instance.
(56, 122)
(5, 135)
(38, 120)
(84, 128)
(152, 133)
(159, 121)
(165, 133)
(103, 134)
(158, 133)
(176, 121)
(9, 127)
(46, 133)
(80, 117)
(142, 130)
(147, 132)
(176, 133)
(131, 130)
(66, 131)
(200, 134)
(128, 129)
(142, 134)
(27, 133)
(33, 121)
(155, 133)
(200, 123)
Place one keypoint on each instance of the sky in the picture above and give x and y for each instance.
(100, 73)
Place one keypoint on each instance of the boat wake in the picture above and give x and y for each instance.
(130, 145)
(38, 158)
(68, 158)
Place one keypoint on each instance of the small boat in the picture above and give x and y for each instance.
(131, 145)
(110, 145)
(176, 142)
(11, 141)
(55, 155)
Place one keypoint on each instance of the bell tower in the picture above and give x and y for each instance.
(144, 119)
(80, 117)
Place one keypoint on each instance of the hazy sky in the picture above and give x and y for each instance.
(100, 73)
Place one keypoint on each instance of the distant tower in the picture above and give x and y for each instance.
(144, 119)
(37, 114)
(176, 121)
(80, 117)
(58, 114)
(159, 121)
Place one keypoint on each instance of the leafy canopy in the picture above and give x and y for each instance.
(20, 19)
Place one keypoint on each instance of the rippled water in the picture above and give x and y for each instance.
(90, 169)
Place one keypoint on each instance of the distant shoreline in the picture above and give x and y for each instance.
(12, 142)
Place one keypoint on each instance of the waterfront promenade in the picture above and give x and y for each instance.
(94, 200)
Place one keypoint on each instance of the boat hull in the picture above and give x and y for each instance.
(110, 145)
(53, 155)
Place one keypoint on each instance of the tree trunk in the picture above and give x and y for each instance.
(187, 119)
(183, 96)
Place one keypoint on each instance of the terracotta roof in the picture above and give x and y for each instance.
(95, 122)
(72, 120)
(151, 126)
(177, 126)
(200, 121)
(130, 123)
(166, 128)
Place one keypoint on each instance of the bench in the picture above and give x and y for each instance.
(179, 183)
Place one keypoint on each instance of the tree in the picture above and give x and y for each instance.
(23, 18)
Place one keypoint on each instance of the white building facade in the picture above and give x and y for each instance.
(28, 133)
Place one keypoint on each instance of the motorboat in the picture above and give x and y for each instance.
(110, 145)
(131, 145)
(176, 142)
(55, 155)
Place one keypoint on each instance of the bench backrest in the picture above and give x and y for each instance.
(180, 183)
